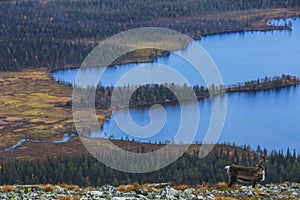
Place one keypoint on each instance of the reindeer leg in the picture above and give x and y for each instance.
(230, 183)
(231, 180)
(253, 184)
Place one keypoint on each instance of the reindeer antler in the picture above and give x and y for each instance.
(265, 158)
(260, 162)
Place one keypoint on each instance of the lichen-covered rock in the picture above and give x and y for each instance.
(169, 193)
(187, 194)
(60, 190)
(28, 188)
(107, 192)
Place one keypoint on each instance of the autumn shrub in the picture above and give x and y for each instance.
(7, 188)
(48, 188)
(181, 187)
(90, 188)
(128, 188)
(69, 187)
(149, 188)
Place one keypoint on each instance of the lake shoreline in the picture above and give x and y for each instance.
(259, 26)
(50, 75)
(260, 119)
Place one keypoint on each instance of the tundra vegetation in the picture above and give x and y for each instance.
(31, 106)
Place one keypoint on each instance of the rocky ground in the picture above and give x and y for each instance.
(150, 191)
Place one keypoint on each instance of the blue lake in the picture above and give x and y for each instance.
(269, 119)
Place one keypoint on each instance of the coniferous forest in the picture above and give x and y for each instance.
(60, 33)
(85, 170)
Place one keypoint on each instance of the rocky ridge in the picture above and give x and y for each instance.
(150, 191)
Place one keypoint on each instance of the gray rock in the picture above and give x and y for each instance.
(188, 193)
(295, 194)
(141, 191)
(97, 193)
(200, 197)
(139, 196)
(169, 193)
(160, 185)
(269, 191)
(119, 198)
(250, 194)
(94, 194)
(59, 190)
(157, 196)
(108, 189)
(27, 188)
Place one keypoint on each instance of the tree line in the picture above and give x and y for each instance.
(85, 170)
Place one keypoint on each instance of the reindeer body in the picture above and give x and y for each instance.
(245, 174)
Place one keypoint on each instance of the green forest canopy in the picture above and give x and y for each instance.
(85, 170)
(56, 33)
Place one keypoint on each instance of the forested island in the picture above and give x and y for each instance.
(147, 95)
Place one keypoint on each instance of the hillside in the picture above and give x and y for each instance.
(85, 170)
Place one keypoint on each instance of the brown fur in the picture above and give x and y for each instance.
(245, 174)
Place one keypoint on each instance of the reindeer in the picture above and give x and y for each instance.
(245, 174)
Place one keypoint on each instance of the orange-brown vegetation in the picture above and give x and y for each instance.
(48, 188)
(90, 188)
(219, 197)
(150, 188)
(68, 197)
(69, 187)
(128, 188)
(7, 188)
(32, 107)
(181, 187)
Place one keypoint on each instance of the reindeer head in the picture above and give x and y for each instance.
(261, 162)
(260, 169)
